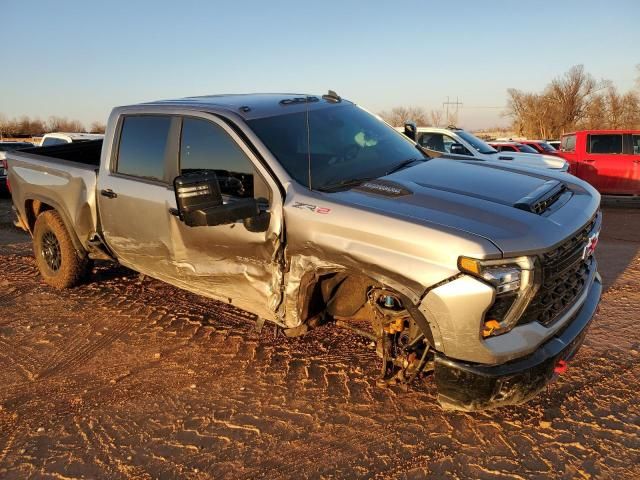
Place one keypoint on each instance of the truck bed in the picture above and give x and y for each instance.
(62, 176)
(87, 153)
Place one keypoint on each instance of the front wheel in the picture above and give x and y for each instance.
(60, 263)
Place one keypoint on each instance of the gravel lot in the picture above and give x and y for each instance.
(126, 379)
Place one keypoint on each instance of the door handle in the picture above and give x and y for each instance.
(589, 160)
(108, 193)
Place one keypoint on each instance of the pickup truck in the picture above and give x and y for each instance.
(457, 144)
(310, 212)
(607, 159)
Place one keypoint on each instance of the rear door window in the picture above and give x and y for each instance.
(143, 146)
(605, 144)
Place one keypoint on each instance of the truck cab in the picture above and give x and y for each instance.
(607, 159)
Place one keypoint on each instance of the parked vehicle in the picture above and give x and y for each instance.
(607, 159)
(306, 209)
(555, 144)
(458, 144)
(58, 138)
(512, 147)
(540, 146)
(6, 147)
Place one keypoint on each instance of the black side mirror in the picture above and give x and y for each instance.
(200, 201)
(458, 149)
(411, 130)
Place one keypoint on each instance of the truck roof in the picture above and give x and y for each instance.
(254, 105)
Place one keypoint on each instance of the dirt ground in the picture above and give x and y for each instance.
(123, 379)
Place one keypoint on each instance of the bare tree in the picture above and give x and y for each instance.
(62, 124)
(436, 118)
(574, 100)
(570, 96)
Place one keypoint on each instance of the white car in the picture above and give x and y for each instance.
(458, 144)
(59, 138)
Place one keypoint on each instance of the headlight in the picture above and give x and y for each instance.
(513, 280)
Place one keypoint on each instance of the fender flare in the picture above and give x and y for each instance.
(63, 215)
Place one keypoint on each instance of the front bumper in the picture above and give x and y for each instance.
(467, 386)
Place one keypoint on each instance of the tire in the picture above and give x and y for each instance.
(60, 263)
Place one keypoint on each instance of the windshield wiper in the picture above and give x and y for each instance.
(404, 164)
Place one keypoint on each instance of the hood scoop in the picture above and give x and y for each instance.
(385, 188)
(543, 197)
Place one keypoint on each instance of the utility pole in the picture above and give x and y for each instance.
(446, 104)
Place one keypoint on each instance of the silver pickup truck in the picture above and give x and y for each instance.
(306, 210)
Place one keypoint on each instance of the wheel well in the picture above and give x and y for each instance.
(33, 208)
(346, 292)
(343, 294)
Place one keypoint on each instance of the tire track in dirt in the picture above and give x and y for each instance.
(222, 401)
(75, 356)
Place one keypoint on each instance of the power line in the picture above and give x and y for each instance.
(446, 104)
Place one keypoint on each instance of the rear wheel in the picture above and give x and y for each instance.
(60, 263)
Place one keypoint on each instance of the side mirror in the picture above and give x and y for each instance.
(200, 203)
(458, 149)
(411, 130)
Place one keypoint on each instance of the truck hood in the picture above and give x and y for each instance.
(536, 160)
(521, 211)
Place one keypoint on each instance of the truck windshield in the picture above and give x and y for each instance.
(476, 143)
(526, 148)
(339, 146)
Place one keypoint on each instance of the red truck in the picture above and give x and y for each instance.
(607, 159)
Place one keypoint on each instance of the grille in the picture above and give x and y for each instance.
(564, 277)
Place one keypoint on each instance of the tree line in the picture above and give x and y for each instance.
(26, 126)
(397, 117)
(573, 101)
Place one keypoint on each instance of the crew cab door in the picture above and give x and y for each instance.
(236, 263)
(135, 193)
(606, 165)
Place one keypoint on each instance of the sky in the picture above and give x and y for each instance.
(79, 59)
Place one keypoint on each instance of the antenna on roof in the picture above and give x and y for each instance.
(332, 96)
